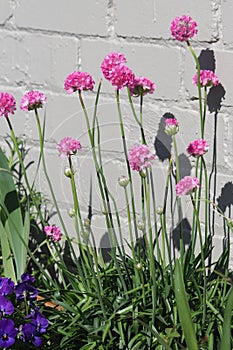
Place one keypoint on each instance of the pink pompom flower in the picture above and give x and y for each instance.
(68, 146)
(140, 157)
(207, 78)
(142, 86)
(109, 63)
(78, 81)
(197, 148)
(171, 126)
(183, 28)
(53, 232)
(7, 104)
(187, 185)
(32, 100)
(123, 77)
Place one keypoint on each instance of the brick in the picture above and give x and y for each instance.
(154, 62)
(153, 18)
(37, 60)
(68, 16)
(5, 10)
(227, 8)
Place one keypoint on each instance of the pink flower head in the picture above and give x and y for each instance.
(68, 146)
(123, 77)
(142, 86)
(7, 104)
(207, 78)
(183, 28)
(171, 126)
(53, 232)
(140, 157)
(109, 63)
(32, 100)
(197, 148)
(187, 185)
(78, 81)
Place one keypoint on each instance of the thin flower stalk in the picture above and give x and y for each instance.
(150, 247)
(104, 193)
(127, 162)
(180, 215)
(198, 87)
(41, 140)
(202, 258)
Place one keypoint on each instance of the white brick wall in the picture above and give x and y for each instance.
(43, 41)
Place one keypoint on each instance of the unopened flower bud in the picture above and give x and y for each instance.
(68, 172)
(159, 210)
(172, 126)
(123, 181)
(71, 212)
(139, 266)
(141, 225)
(143, 173)
(87, 222)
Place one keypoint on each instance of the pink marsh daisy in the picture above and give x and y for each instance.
(142, 86)
(140, 157)
(53, 232)
(68, 146)
(7, 104)
(78, 81)
(197, 148)
(183, 28)
(207, 78)
(32, 100)
(187, 185)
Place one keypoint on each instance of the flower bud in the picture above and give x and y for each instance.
(71, 212)
(143, 173)
(141, 226)
(87, 223)
(159, 210)
(139, 266)
(123, 181)
(172, 126)
(68, 172)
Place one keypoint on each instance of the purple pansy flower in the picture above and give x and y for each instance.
(8, 333)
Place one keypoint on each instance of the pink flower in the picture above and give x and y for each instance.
(187, 185)
(32, 100)
(109, 63)
(183, 28)
(142, 86)
(78, 81)
(172, 126)
(207, 78)
(7, 104)
(115, 70)
(68, 146)
(197, 148)
(140, 157)
(53, 232)
(123, 77)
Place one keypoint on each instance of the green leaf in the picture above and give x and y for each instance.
(8, 264)
(183, 308)
(226, 334)
(11, 217)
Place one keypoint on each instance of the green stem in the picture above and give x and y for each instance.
(127, 162)
(180, 214)
(202, 259)
(198, 86)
